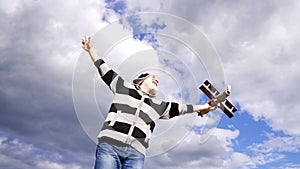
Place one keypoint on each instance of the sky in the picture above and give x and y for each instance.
(53, 102)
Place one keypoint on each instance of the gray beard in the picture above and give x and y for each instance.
(153, 89)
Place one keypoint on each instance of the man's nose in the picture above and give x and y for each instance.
(155, 79)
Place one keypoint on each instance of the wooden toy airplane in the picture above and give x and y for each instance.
(219, 98)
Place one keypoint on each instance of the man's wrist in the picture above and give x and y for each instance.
(91, 51)
(201, 107)
(93, 54)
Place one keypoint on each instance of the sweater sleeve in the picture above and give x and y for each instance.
(175, 109)
(108, 75)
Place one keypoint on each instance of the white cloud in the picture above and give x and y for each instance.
(7, 162)
(262, 159)
(289, 166)
(278, 144)
(265, 66)
(218, 152)
(268, 70)
(275, 147)
(55, 165)
(145, 5)
(193, 153)
(10, 7)
(2, 139)
(23, 155)
(238, 160)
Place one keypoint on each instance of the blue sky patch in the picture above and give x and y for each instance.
(140, 31)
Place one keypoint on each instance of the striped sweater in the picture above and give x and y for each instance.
(132, 114)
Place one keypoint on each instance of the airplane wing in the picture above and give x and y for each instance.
(210, 91)
(230, 105)
(225, 109)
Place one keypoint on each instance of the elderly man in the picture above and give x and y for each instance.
(124, 137)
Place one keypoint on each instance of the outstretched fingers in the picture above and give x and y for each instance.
(86, 42)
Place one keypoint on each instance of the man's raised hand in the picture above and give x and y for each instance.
(86, 43)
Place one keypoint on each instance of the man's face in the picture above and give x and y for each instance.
(152, 83)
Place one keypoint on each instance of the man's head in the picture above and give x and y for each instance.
(147, 82)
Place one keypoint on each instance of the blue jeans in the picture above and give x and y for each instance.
(110, 156)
